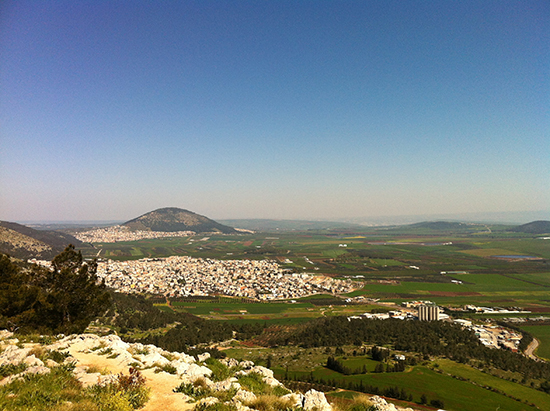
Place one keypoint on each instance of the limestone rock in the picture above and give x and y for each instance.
(203, 357)
(31, 360)
(295, 398)
(244, 396)
(230, 362)
(207, 401)
(315, 400)
(152, 359)
(13, 355)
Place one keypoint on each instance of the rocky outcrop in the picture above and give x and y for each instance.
(99, 360)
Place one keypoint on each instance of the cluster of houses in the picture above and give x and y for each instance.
(118, 233)
(186, 276)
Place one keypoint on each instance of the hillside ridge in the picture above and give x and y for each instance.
(170, 219)
(24, 242)
(534, 227)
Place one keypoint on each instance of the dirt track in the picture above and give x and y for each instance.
(161, 384)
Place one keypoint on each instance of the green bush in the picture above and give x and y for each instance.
(220, 371)
(219, 406)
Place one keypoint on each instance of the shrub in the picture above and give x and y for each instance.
(127, 389)
(169, 368)
(11, 369)
(193, 390)
(219, 406)
(270, 402)
(220, 371)
(254, 382)
(361, 403)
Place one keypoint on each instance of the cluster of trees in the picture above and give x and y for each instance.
(137, 313)
(64, 299)
(337, 365)
(430, 338)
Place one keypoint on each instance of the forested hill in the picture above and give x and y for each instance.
(24, 242)
(534, 227)
(177, 219)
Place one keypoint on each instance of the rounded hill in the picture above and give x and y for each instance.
(534, 227)
(172, 219)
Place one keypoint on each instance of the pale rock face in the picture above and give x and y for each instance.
(31, 360)
(244, 396)
(383, 405)
(230, 362)
(272, 381)
(264, 372)
(208, 401)
(203, 357)
(13, 355)
(115, 343)
(296, 399)
(315, 400)
(5, 334)
(225, 385)
(149, 360)
(180, 366)
(246, 364)
(195, 370)
(51, 363)
(36, 369)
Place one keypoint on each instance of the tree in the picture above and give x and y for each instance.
(17, 297)
(72, 294)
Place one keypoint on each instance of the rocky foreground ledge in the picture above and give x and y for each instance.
(100, 360)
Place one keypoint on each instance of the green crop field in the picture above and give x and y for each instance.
(456, 394)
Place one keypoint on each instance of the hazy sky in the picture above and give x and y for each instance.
(273, 109)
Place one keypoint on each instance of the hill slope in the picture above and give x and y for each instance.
(177, 219)
(534, 227)
(24, 242)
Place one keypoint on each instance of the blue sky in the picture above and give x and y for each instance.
(273, 109)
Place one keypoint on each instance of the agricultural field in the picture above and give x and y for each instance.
(453, 268)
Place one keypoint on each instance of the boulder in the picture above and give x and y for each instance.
(13, 355)
(195, 370)
(230, 362)
(244, 396)
(31, 360)
(206, 402)
(315, 400)
(246, 364)
(203, 357)
(295, 398)
(152, 359)
(115, 343)
(225, 385)
(36, 369)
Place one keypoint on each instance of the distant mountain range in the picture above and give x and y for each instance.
(258, 224)
(177, 219)
(23, 242)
